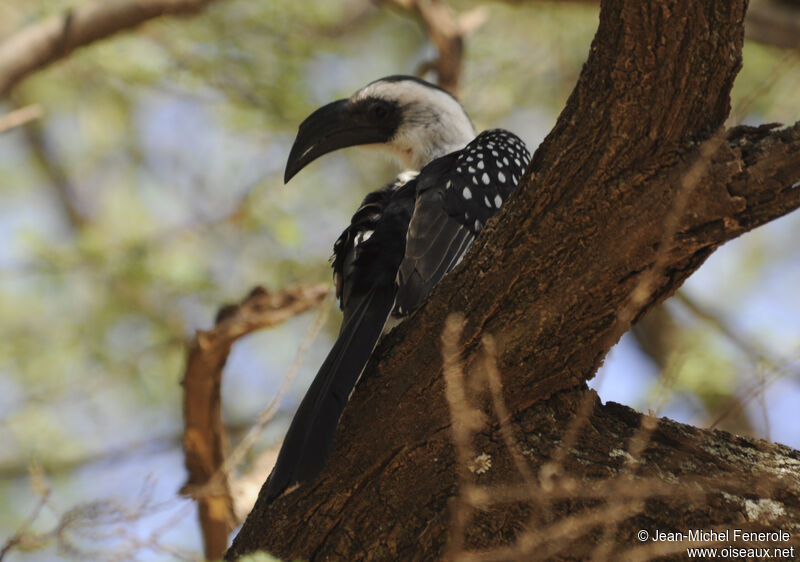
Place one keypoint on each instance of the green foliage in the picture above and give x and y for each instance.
(172, 138)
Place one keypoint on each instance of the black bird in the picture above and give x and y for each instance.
(402, 239)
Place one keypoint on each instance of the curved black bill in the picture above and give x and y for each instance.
(333, 126)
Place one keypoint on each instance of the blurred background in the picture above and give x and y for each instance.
(149, 192)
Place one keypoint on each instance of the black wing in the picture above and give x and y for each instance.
(354, 245)
(400, 243)
(456, 195)
(366, 258)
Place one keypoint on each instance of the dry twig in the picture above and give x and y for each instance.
(204, 440)
(447, 31)
(59, 181)
(465, 421)
(233, 460)
(20, 116)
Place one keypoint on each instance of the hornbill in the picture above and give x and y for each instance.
(402, 239)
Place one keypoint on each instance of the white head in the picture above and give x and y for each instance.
(432, 122)
(413, 120)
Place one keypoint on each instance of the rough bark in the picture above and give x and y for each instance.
(632, 190)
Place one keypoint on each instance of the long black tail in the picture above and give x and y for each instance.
(311, 433)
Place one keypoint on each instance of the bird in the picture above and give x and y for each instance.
(402, 239)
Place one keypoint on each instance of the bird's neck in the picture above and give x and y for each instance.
(422, 158)
(437, 144)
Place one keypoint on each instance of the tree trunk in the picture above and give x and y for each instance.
(632, 190)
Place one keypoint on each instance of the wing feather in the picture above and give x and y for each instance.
(456, 195)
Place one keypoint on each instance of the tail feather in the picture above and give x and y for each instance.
(312, 430)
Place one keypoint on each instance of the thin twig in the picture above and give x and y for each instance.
(780, 367)
(20, 116)
(56, 173)
(246, 444)
(465, 421)
(503, 416)
(19, 536)
(204, 440)
(447, 31)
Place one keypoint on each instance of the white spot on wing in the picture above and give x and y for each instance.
(363, 236)
(407, 176)
(467, 193)
(485, 178)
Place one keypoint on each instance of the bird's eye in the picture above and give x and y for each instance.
(379, 110)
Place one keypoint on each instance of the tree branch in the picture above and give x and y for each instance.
(46, 42)
(628, 195)
(19, 117)
(447, 31)
(60, 183)
(204, 441)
